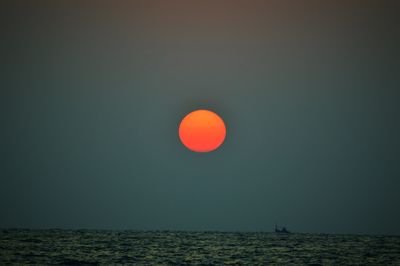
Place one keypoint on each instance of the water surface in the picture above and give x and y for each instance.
(102, 247)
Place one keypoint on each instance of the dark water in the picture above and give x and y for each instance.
(68, 247)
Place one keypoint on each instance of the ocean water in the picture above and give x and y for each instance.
(102, 247)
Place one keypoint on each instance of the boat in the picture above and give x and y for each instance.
(281, 230)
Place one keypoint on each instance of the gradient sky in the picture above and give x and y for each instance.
(92, 95)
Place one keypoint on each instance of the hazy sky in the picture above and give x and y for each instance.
(92, 96)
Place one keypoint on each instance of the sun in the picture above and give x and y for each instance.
(202, 131)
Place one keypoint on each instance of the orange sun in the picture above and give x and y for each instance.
(202, 131)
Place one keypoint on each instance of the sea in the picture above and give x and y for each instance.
(127, 247)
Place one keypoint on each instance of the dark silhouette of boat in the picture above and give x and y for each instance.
(281, 230)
